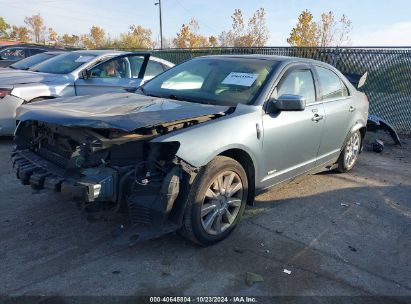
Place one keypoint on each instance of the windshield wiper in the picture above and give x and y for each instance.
(188, 99)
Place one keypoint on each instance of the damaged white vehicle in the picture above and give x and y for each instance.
(195, 145)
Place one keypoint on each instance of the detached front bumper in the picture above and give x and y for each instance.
(94, 184)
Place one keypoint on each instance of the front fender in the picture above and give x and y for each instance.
(201, 143)
(34, 90)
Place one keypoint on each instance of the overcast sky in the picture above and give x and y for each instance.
(378, 22)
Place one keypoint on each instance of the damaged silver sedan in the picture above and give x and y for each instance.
(189, 150)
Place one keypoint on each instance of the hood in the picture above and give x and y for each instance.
(12, 77)
(124, 111)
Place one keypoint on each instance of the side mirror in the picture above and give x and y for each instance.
(289, 102)
(85, 74)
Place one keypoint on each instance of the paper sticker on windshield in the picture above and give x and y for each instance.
(84, 59)
(241, 79)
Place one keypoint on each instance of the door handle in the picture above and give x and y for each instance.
(317, 117)
(351, 109)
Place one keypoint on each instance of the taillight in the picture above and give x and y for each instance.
(4, 92)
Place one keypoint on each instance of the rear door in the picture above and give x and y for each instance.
(292, 138)
(338, 110)
(120, 74)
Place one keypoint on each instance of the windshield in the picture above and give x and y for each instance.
(216, 80)
(64, 63)
(28, 62)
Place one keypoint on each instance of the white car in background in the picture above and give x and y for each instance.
(75, 74)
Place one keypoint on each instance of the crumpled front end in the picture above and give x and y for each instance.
(107, 167)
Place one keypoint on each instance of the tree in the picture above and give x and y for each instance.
(326, 32)
(20, 33)
(254, 33)
(53, 36)
(305, 33)
(342, 37)
(258, 29)
(212, 40)
(36, 23)
(137, 37)
(188, 37)
(4, 26)
(70, 40)
(95, 39)
(98, 36)
(332, 33)
(87, 42)
(326, 29)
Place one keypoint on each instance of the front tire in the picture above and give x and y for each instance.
(350, 152)
(216, 201)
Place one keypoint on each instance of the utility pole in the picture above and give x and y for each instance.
(161, 24)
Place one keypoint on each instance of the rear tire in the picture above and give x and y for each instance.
(216, 201)
(350, 152)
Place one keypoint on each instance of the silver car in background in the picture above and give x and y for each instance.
(74, 74)
(196, 144)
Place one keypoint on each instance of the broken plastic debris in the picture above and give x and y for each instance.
(357, 204)
(252, 278)
(287, 271)
(352, 249)
(378, 146)
(344, 205)
(262, 244)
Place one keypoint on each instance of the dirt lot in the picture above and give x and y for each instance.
(338, 234)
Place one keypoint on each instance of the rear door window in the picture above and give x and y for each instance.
(36, 51)
(153, 69)
(332, 87)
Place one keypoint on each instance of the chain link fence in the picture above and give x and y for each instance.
(389, 73)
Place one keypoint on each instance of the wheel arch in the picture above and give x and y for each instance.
(361, 127)
(247, 163)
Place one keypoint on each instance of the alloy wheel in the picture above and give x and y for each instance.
(352, 150)
(221, 203)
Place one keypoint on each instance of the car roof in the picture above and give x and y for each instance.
(100, 52)
(25, 45)
(264, 57)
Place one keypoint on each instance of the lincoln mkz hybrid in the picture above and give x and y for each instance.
(194, 145)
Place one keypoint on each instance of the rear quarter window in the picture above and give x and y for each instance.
(332, 87)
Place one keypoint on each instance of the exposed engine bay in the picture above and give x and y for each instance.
(123, 170)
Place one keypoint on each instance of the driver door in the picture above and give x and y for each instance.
(120, 74)
(292, 138)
